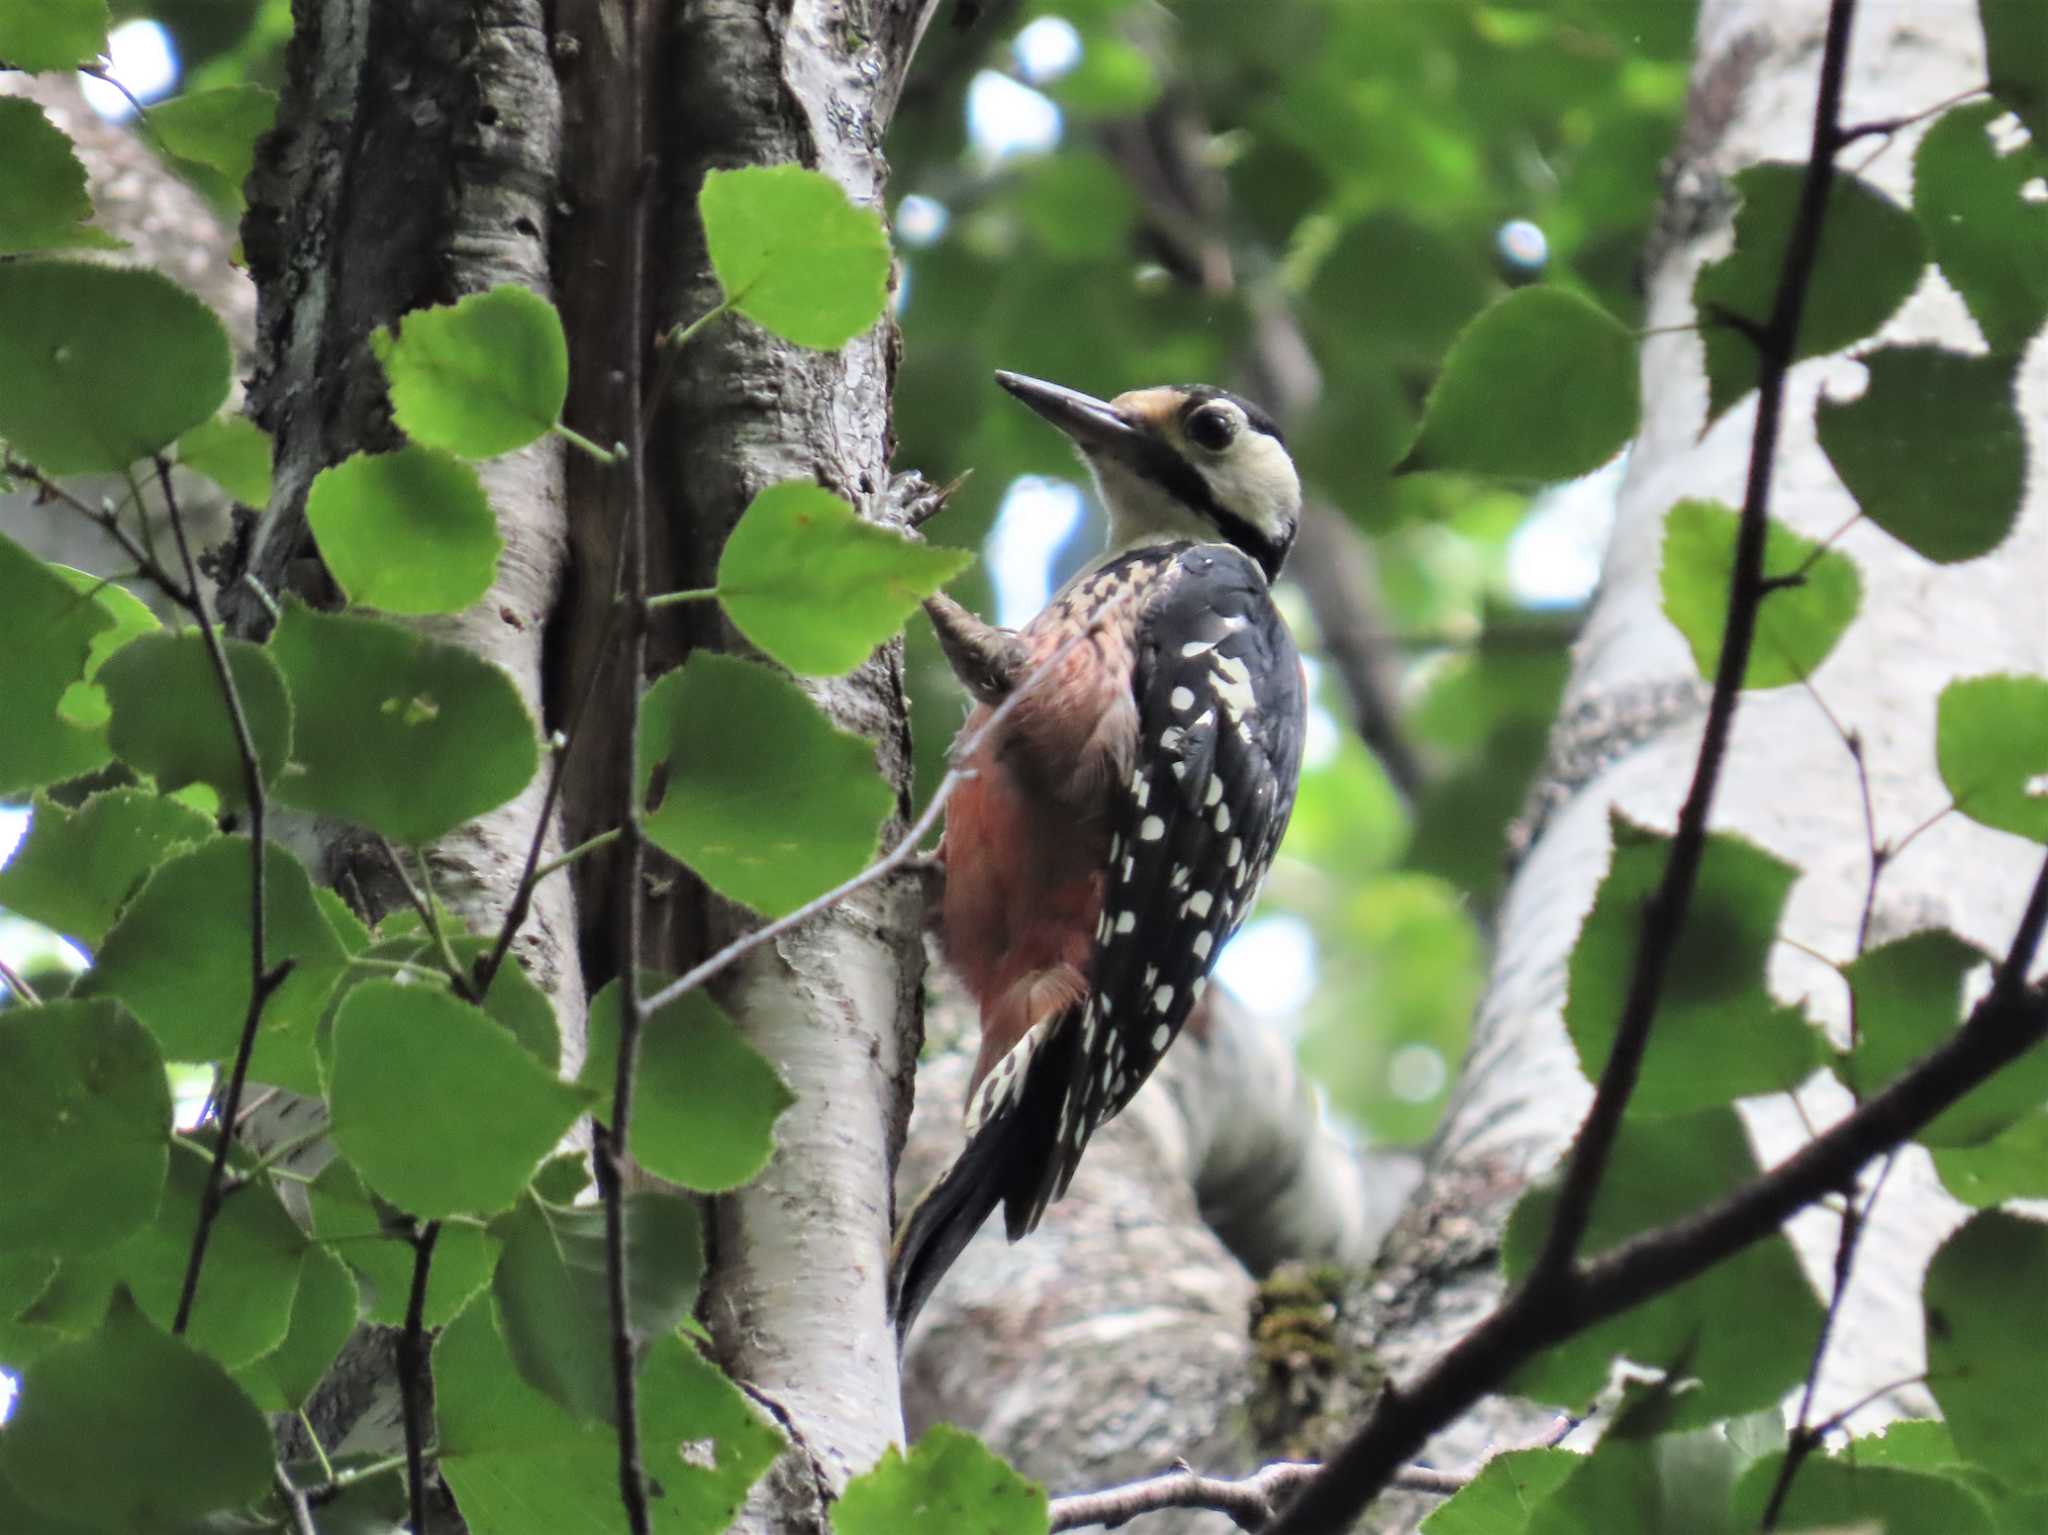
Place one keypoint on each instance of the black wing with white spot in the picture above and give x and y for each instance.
(1221, 708)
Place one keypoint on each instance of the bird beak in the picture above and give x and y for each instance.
(1093, 424)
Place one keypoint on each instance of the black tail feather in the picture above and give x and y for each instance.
(1011, 1160)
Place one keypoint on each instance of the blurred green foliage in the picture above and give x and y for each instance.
(1348, 167)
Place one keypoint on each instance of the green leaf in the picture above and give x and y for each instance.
(1661, 1170)
(365, 1234)
(707, 1103)
(1542, 386)
(1796, 626)
(950, 1481)
(405, 1060)
(171, 717)
(401, 733)
(244, 1305)
(1991, 743)
(793, 254)
(1932, 450)
(233, 452)
(2016, 44)
(1836, 1493)
(76, 868)
(1719, 1034)
(39, 744)
(1907, 998)
(1870, 258)
(104, 364)
(43, 201)
(85, 1123)
(513, 1000)
(1503, 1494)
(479, 377)
(1442, 286)
(553, 1304)
(815, 586)
(215, 131)
(408, 532)
(190, 1442)
(2011, 1165)
(518, 1463)
(762, 797)
(53, 34)
(1651, 1482)
(179, 957)
(323, 1316)
(1990, 239)
(1986, 1348)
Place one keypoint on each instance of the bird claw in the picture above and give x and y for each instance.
(914, 501)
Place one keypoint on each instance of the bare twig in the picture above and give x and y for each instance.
(1804, 1438)
(422, 903)
(294, 1502)
(262, 981)
(636, 414)
(18, 986)
(906, 847)
(412, 1375)
(1250, 1500)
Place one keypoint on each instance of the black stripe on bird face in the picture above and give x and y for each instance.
(1160, 463)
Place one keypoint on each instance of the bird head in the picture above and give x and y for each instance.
(1179, 462)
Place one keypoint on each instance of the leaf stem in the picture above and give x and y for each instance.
(584, 849)
(582, 444)
(672, 599)
(412, 1375)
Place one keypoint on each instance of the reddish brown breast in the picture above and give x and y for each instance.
(1027, 837)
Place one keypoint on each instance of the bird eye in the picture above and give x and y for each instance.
(1212, 427)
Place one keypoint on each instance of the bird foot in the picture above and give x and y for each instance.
(987, 660)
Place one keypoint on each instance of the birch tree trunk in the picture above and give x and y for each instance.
(1626, 739)
(421, 154)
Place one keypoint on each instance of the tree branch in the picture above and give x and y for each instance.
(2009, 1022)
(629, 598)
(1664, 915)
(262, 982)
(412, 1375)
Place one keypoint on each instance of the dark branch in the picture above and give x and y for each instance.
(633, 413)
(1664, 915)
(262, 981)
(2002, 1028)
(412, 1375)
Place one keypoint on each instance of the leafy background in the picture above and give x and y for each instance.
(1498, 164)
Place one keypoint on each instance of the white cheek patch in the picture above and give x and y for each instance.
(1257, 481)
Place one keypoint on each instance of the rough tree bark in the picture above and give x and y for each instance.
(1626, 739)
(422, 154)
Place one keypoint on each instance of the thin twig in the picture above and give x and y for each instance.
(295, 1502)
(609, 1150)
(1805, 1439)
(906, 848)
(412, 1375)
(423, 904)
(145, 562)
(1664, 915)
(262, 981)
(18, 986)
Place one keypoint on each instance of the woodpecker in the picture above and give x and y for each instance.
(1120, 819)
